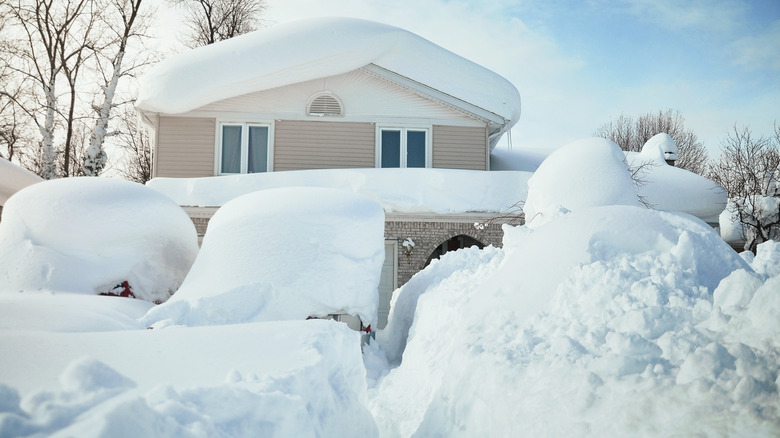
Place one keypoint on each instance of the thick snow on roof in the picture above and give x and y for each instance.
(438, 191)
(14, 178)
(294, 52)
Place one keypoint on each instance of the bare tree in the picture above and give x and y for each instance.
(216, 20)
(124, 22)
(749, 170)
(58, 36)
(134, 140)
(631, 134)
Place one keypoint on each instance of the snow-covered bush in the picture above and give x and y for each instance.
(283, 254)
(584, 173)
(87, 235)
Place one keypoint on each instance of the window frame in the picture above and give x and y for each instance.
(244, 161)
(404, 129)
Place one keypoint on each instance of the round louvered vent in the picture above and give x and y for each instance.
(325, 105)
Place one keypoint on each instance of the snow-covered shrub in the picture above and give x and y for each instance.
(87, 235)
(284, 254)
(584, 173)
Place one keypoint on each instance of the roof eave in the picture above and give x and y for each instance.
(495, 121)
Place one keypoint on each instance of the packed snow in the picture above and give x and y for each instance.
(605, 319)
(440, 191)
(89, 235)
(284, 254)
(323, 47)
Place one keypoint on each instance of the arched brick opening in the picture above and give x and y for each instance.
(453, 243)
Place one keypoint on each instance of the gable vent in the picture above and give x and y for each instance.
(325, 105)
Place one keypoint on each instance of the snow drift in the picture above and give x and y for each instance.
(283, 254)
(282, 379)
(86, 235)
(607, 321)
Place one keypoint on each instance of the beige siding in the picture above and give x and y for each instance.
(459, 147)
(185, 147)
(323, 145)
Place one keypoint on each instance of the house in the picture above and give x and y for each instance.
(334, 93)
(12, 179)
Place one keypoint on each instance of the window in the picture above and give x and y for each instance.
(243, 148)
(403, 147)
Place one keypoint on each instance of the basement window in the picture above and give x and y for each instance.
(325, 105)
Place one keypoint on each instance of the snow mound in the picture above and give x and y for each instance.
(86, 235)
(440, 191)
(316, 48)
(281, 379)
(283, 254)
(602, 323)
(660, 148)
(585, 173)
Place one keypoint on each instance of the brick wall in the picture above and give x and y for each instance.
(428, 232)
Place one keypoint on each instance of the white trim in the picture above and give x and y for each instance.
(245, 125)
(403, 129)
(435, 95)
(313, 97)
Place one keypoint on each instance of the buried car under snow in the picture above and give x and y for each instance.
(283, 254)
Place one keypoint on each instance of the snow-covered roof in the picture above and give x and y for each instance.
(309, 49)
(14, 178)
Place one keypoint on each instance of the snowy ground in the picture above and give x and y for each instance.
(598, 318)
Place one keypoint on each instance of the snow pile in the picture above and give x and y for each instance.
(283, 254)
(322, 47)
(86, 235)
(14, 178)
(440, 191)
(302, 378)
(584, 173)
(607, 321)
(660, 148)
(661, 186)
(666, 187)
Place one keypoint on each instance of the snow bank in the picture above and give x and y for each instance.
(57, 312)
(585, 173)
(316, 48)
(284, 254)
(440, 191)
(14, 178)
(282, 379)
(86, 235)
(607, 321)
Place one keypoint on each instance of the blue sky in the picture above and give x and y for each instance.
(578, 63)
